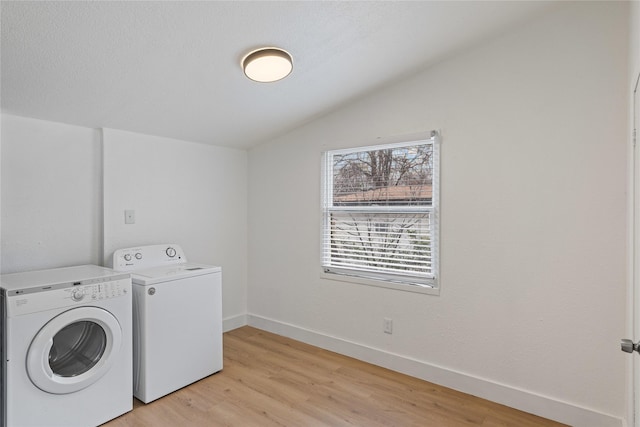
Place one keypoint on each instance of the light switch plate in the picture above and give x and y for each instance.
(129, 216)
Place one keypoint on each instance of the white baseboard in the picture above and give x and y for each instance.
(523, 400)
(234, 322)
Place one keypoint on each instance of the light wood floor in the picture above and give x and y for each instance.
(269, 380)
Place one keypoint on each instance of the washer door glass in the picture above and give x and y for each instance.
(74, 350)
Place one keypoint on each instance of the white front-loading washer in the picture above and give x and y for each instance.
(66, 347)
(177, 318)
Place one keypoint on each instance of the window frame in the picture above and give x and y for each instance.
(428, 285)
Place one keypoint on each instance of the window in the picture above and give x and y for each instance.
(380, 210)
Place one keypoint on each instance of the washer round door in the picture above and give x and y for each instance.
(74, 350)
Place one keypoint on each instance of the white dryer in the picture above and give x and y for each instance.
(177, 318)
(66, 347)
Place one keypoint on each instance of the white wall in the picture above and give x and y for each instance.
(633, 301)
(533, 231)
(634, 48)
(51, 195)
(55, 212)
(187, 193)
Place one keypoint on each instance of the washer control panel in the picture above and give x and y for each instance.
(143, 257)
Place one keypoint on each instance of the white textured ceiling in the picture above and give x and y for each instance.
(173, 68)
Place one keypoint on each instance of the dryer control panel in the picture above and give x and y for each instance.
(142, 257)
(87, 292)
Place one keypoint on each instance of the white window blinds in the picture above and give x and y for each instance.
(380, 212)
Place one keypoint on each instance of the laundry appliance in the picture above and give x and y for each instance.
(66, 347)
(177, 318)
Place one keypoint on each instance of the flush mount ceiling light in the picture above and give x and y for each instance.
(268, 64)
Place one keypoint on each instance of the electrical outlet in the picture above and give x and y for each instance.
(387, 326)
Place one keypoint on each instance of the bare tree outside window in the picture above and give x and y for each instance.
(384, 177)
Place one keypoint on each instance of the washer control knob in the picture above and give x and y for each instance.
(171, 252)
(127, 257)
(138, 255)
(77, 295)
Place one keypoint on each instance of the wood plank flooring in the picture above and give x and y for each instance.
(269, 380)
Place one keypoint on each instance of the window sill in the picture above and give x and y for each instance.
(381, 284)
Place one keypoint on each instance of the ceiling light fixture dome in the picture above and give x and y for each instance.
(267, 64)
